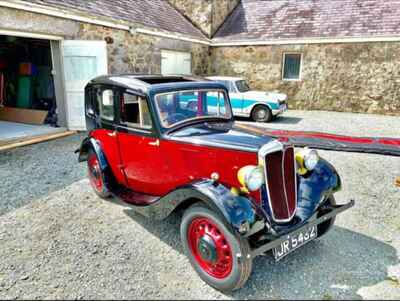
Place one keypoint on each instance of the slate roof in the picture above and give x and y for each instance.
(257, 20)
(157, 14)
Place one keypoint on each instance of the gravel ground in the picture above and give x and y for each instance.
(70, 244)
(27, 173)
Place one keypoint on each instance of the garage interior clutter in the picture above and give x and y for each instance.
(27, 93)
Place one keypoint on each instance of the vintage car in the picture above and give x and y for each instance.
(167, 143)
(258, 105)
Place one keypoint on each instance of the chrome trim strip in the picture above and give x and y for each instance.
(271, 147)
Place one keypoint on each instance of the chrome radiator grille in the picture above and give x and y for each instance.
(280, 197)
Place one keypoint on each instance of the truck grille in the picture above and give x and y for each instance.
(281, 184)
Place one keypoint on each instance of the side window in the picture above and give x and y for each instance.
(291, 66)
(106, 104)
(232, 87)
(134, 111)
(90, 101)
(226, 84)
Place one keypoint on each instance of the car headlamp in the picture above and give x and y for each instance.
(307, 160)
(251, 177)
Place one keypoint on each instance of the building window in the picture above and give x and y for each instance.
(291, 66)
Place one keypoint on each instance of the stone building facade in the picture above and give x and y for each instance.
(127, 52)
(349, 52)
(349, 77)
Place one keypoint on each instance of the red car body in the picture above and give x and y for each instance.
(167, 143)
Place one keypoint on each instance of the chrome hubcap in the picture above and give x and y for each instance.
(261, 114)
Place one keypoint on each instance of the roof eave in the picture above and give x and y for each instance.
(314, 40)
(102, 21)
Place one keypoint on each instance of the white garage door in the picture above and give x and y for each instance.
(176, 62)
(82, 61)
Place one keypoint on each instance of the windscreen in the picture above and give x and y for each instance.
(242, 86)
(177, 107)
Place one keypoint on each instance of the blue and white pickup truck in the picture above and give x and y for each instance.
(258, 105)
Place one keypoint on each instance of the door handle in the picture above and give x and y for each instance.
(113, 134)
(155, 143)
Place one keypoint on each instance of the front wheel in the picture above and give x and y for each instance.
(220, 257)
(261, 113)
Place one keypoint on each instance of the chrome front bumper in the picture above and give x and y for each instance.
(283, 107)
(276, 242)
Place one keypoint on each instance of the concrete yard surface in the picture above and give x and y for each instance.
(71, 244)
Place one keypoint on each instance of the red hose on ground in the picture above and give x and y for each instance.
(326, 141)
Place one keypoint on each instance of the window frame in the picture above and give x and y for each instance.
(232, 86)
(101, 90)
(131, 125)
(300, 68)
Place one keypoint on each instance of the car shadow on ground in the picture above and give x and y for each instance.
(335, 266)
(278, 120)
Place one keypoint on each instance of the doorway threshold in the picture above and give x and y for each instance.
(7, 143)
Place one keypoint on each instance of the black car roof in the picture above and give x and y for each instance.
(143, 83)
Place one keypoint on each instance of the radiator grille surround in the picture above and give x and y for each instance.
(279, 164)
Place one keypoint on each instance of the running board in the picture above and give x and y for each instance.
(134, 198)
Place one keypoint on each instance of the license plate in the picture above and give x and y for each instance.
(294, 242)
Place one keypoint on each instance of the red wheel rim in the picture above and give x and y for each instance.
(210, 248)
(95, 177)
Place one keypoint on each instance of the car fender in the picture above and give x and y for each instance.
(91, 143)
(315, 187)
(236, 209)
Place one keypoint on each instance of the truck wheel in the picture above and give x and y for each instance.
(261, 114)
(220, 257)
(325, 227)
(97, 177)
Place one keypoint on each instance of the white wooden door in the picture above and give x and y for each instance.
(82, 61)
(176, 62)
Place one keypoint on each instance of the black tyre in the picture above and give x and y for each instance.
(97, 178)
(261, 114)
(325, 227)
(220, 257)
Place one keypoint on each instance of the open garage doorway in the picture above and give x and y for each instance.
(28, 99)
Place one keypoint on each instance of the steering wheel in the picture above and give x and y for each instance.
(174, 118)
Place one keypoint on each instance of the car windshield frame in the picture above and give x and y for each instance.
(228, 116)
(239, 86)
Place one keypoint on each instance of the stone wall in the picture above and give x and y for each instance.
(136, 53)
(207, 15)
(359, 77)
(140, 53)
(220, 11)
(197, 11)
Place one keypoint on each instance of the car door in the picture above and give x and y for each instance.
(236, 98)
(104, 105)
(139, 146)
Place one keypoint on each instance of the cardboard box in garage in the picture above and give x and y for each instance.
(23, 115)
